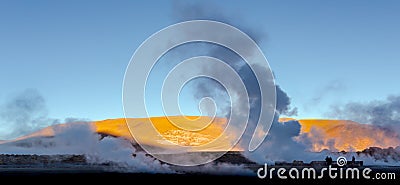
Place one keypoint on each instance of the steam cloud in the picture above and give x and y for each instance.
(381, 113)
(79, 138)
(24, 113)
(119, 154)
(281, 135)
(283, 138)
(382, 116)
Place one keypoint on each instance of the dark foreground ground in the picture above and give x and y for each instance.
(95, 175)
(73, 169)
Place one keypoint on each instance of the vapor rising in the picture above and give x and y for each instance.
(381, 121)
(381, 115)
(24, 113)
(280, 139)
(79, 138)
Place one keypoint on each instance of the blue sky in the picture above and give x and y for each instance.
(75, 52)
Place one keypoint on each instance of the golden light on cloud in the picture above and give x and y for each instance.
(344, 135)
(334, 135)
(213, 128)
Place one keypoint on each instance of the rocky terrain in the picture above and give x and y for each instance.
(7, 159)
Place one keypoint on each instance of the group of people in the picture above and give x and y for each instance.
(329, 160)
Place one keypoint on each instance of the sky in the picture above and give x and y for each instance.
(74, 53)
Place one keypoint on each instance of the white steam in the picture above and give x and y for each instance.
(79, 138)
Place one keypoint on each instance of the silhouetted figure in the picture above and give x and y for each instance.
(353, 159)
(328, 160)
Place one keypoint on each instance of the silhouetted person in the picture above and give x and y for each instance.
(353, 159)
(328, 160)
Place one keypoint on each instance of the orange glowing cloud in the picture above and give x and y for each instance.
(334, 135)
(202, 130)
(165, 126)
(344, 135)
